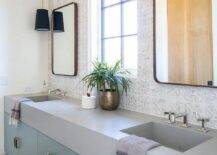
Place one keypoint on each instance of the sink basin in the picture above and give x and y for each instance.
(176, 138)
(43, 98)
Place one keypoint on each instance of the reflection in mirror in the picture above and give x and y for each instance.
(185, 42)
(64, 40)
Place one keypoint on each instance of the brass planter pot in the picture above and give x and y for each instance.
(109, 100)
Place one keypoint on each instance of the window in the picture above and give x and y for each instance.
(119, 32)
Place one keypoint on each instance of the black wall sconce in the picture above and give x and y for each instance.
(58, 21)
(42, 20)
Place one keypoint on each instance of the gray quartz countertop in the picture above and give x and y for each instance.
(94, 131)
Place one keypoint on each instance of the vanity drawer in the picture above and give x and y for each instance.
(48, 146)
(19, 140)
(25, 140)
(9, 133)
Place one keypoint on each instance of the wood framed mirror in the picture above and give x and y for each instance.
(65, 40)
(185, 42)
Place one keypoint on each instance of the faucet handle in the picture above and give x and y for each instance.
(55, 91)
(203, 122)
(170, 114)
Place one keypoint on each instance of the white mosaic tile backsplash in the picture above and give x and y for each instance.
(146, 96)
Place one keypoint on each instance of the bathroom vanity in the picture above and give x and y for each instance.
(54, 126)
(25, 140)
(22, 139)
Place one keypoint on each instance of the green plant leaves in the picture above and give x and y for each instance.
(105, 77)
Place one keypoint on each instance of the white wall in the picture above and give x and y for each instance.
(1, 128)
(23, 51)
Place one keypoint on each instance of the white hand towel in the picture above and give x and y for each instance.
(134, 145)
(16, 111)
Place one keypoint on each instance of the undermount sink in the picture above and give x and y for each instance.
(43, 98)
(176, 138)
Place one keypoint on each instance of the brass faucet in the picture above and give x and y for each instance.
(57, 92)
(203, 121)
(185, 119)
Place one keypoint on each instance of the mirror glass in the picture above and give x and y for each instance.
(186, 42)
(64, 40)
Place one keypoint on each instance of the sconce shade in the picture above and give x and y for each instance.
(58, 22)
(42, 20)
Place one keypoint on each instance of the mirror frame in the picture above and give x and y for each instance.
(155, 56)
(75, 40)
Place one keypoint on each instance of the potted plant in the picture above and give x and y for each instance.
(110, 82)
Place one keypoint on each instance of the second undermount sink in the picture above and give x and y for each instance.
(176, 138)
(43, 98)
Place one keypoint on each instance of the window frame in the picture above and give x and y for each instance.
(122, 36)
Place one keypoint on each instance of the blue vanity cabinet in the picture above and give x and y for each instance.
(10, 132)
(66, 151)
(47, 146)
(19, 140)
(28, 140)
(25, 140)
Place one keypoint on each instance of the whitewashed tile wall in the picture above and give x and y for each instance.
(146, 96)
